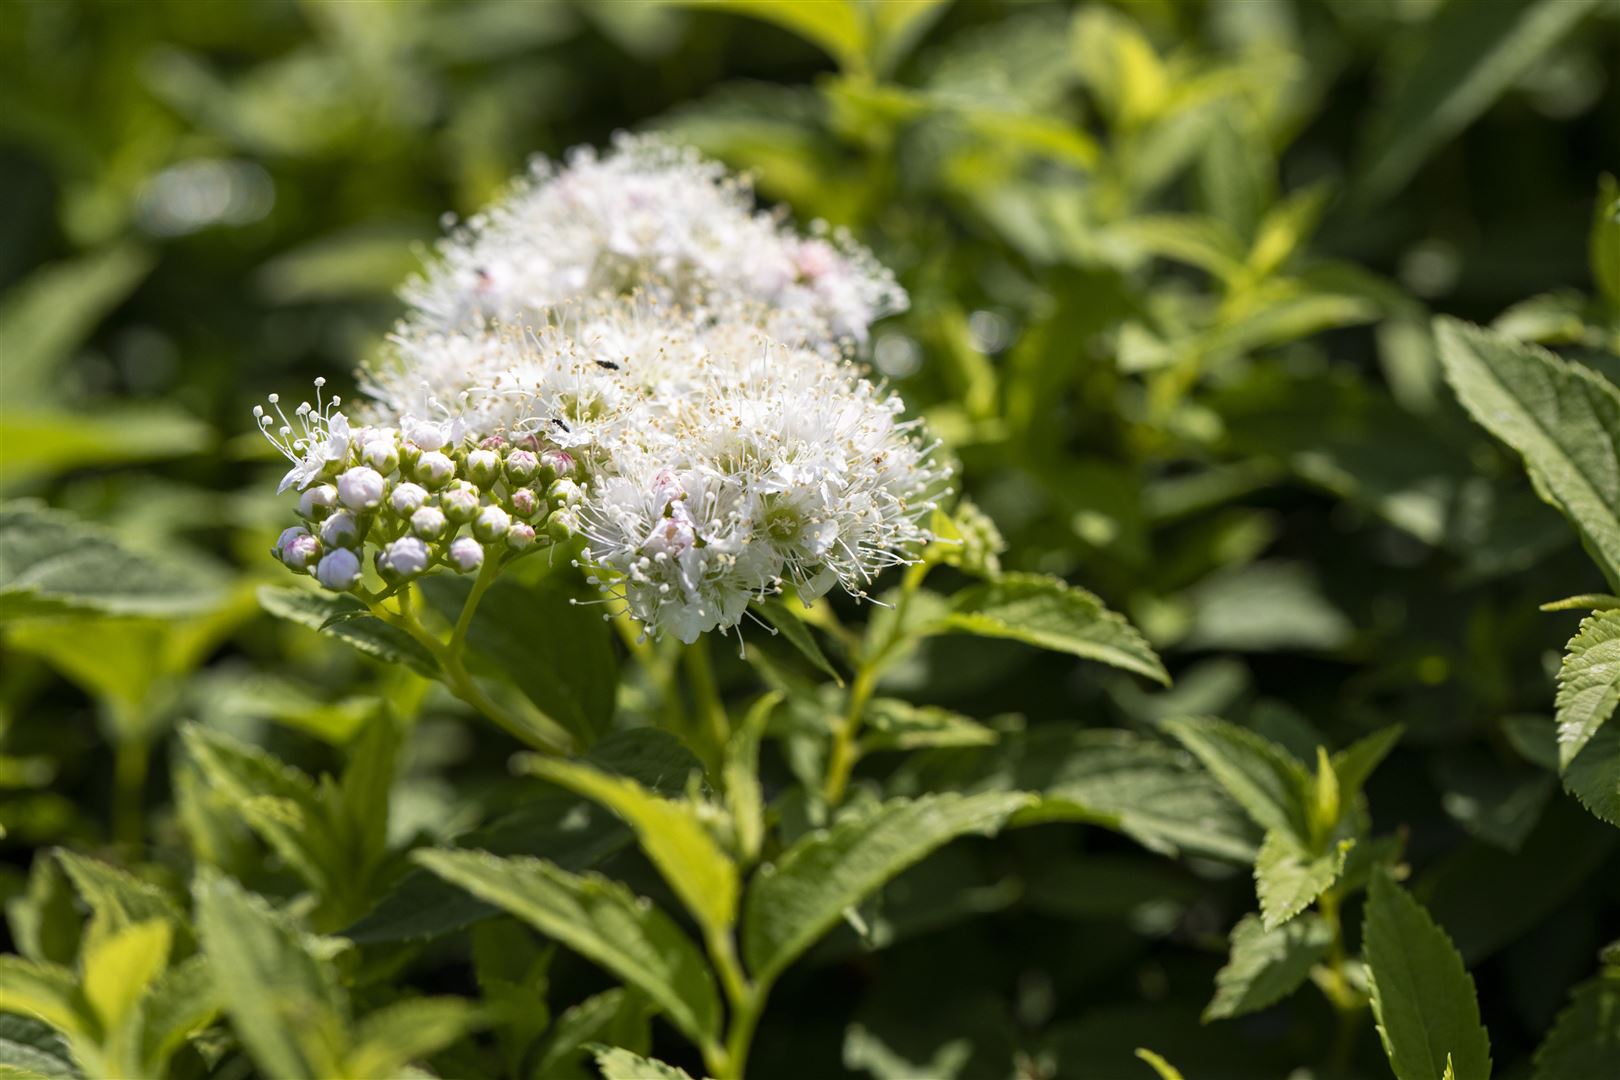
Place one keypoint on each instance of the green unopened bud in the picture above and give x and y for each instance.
(564, 493)
(429, 523)
(491, 524)
(459, 502)
(434, 470)
(520, 536)
(484, 467)
(403, 559)
(522, 466)
(562, 526)
(381, 454)
(523, 503)
(342, 529)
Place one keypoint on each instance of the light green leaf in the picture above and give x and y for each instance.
(182, 1001)
(38, 441)
(617, 1064)
(745, 799)
(47, 992)
(119, 964)
(118, 898)
(1605, 242)
(837, 27)
(1588, 684)
(1563, 418)
(1422, 996)
(369, 634)
(579, 1026)
(893, 724)
(1048, 613)
(897, 25)
(1264, 606)
(283, 999)
(1584, 1040)
(53, 563)
(395, 1035)
(1288, 878)
(668, 830)
(793, 902)
(602, 921)
(44, 318)
(1163, 1068)
(1272, 787)
(1466, 56)
(1267, 965)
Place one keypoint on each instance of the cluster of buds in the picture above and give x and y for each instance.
(415, 503)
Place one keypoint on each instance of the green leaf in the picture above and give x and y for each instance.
(281, 996)
(118, 966)
(118, 898)
(1593, 776)
(580, 1025)
(182, 1001)
(804, 893)
(395, 1035)
(1048, 613)
(1605, 242)
(619, 1064)
(559, 653)
(1588, 684)
(893, 724)
(1467, 55)
(602, 921)
(1271, 786)
(668, 830)
(1288, 878)
(30, 1049)
(48, 992)
(837, 27)
(1356, 762)
(1422, 996)
(363, 793)
(1564, 419)
(43, 319)
(1163, 1068)
(40, 441)
(787, 623)
(345, 618)
(52, 563)
(1267, 965)
(745, 798)
(1584, 1040)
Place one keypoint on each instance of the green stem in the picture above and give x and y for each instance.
(486, 577)
(747, 1002)
(714, 729)
(130, 761)
(1346, 1001)
(537, 732)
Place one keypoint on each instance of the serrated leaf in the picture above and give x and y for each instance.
(1466, 56)
(1585, 1039)
(390, 1038)
(1593, 776)
(1288, 878)
(745, 798)
(1422, 995)
(1588, 683)
(119, 898)
(1051, 614)
(617, 1064)
(363, 794)
(280, 995)
(1562, 418)
(118, 965)
(183, 1000)
(793, 902)
(346, 619)
(602, 921)
(576, 1028)
(1267, 965)
(51, 563)
(894, 724)
(668, 830)
(29, 1050)
(797, 634)
(1271, 786)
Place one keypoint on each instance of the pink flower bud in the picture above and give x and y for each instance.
(520, 536)
(523, 502)
(522, 466)
(459, 503)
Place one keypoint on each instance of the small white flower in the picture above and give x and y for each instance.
(316, 441)
(466, 554)
(361, 488)
(339, 570)
(404, 558)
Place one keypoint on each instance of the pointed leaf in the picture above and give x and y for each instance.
(1264, 779)
(118, 897)
(619, 1064)
(807, 890)
(395, 1035)
(1356, 762)
(1562, 418)
(893, 724)
(602, 921)
(1047, 612)
(668, 830)
(1422, 996)
(182, 1001)
(1588, 684)
(1267, 965)
(118, 965)
(347, 619)
(30, 1049)
(790, 626)
(1289, 878)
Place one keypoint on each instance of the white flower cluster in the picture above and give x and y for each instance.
(673, 362)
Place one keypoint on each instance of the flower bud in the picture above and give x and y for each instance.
(484, 467)
(491, 524)
(522, 466)
(520, 536)
(559, 464)
(409, 455)
(459, 503)
(466, 554)
(340, 530)
(434, 470)
(316, 502)
(407, 499)
(381, 454)
(429, 523)
(403, 558)
(492, 442)
(523, 502)
(564, 493)
(296, 548)
(562, 526)
(339, 569)
(361, 488)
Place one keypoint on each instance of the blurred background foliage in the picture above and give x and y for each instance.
(1171, 267)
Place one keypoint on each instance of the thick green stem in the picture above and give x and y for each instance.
(746, 1001)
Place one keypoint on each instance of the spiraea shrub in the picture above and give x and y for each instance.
(828, 537)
